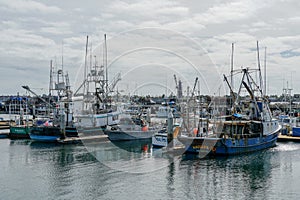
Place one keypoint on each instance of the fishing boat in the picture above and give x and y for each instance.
(290, 129)
(51, 133)
(130, 129)
(58, 123)
(164, 110)
(46, 133)
(22, 122)
(97, 111)
(160, 138)
(19, 132)
(249, 128)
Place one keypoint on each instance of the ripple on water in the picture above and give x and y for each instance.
(286, 146)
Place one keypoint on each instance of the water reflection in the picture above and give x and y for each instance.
(170, 178)
(136, 156)
(135, 146)
(244, 176)
(52, 167)
(133, 170)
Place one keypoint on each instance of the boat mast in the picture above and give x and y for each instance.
(85, 64)
(85, 82)
(231, 72)
(232, 99)
(62, 55)
(105, 64)
(51, 78)
(259, 70)
(265, 73)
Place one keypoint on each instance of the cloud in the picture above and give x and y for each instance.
(25, 6)
(149, 9)
(290, 53)
(57, 28)
(32, 33)
(230, 11)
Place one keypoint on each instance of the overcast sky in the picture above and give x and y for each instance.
(149, 41)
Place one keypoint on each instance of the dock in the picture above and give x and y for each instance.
(286, 138)
(82, 139)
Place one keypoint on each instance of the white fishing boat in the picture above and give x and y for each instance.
(96, 112)
(163, 112)
(160, 138)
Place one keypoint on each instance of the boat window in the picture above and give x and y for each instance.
(256, 127)
(240, 129)
(233, 129)
(246, 129)
(227, 129)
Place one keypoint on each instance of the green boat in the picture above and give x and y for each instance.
(19, 132)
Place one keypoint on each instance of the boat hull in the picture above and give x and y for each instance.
(296, 131)
(230, 146)
(19, 132)
(116, 135)
(159, 140)
(86, 131)
(44, 138)
(45, 134)
(71, 132)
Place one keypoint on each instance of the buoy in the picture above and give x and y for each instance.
(145, 148)
(145, 128)
(195, 131)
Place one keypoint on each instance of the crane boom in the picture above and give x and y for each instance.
(193, 91)
(176, 85)
(26, 87)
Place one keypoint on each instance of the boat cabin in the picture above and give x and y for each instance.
(241, 129)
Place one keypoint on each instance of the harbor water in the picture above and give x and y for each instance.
(133, 170)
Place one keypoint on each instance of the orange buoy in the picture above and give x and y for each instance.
(145, 148)
(145, 128)
(195, 131)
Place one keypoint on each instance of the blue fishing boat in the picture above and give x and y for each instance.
(45, 134)
(252, 129)
(249, 137)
